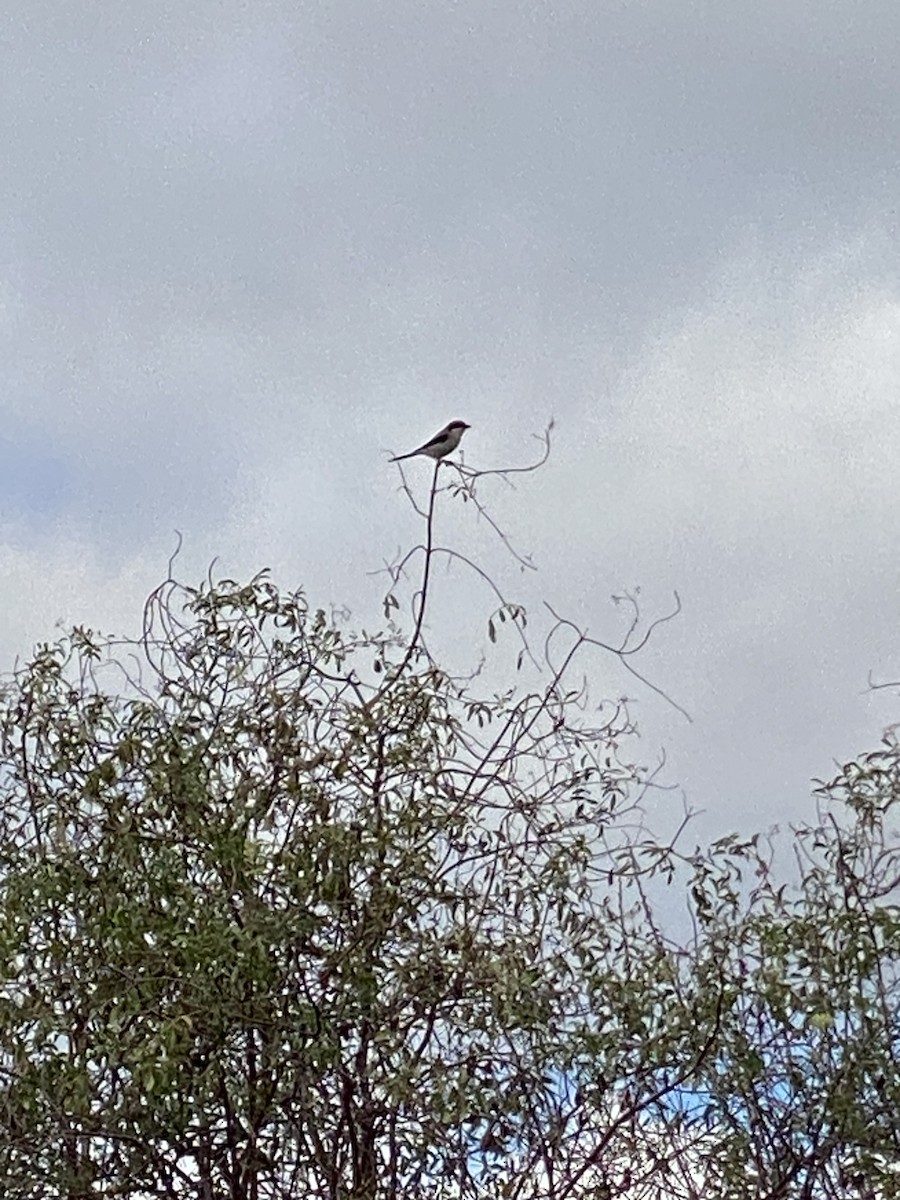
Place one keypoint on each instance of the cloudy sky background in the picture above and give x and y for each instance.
(248, 248)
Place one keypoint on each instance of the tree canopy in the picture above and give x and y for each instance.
(288, 910)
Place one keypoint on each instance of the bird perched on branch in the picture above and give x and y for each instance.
(441, 444)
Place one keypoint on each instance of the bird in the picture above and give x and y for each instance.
(441, 444)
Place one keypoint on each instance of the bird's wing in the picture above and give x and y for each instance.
(439, 439)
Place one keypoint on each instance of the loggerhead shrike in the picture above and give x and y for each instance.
(441, 444)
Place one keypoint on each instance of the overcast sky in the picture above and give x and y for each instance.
(247, 248)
